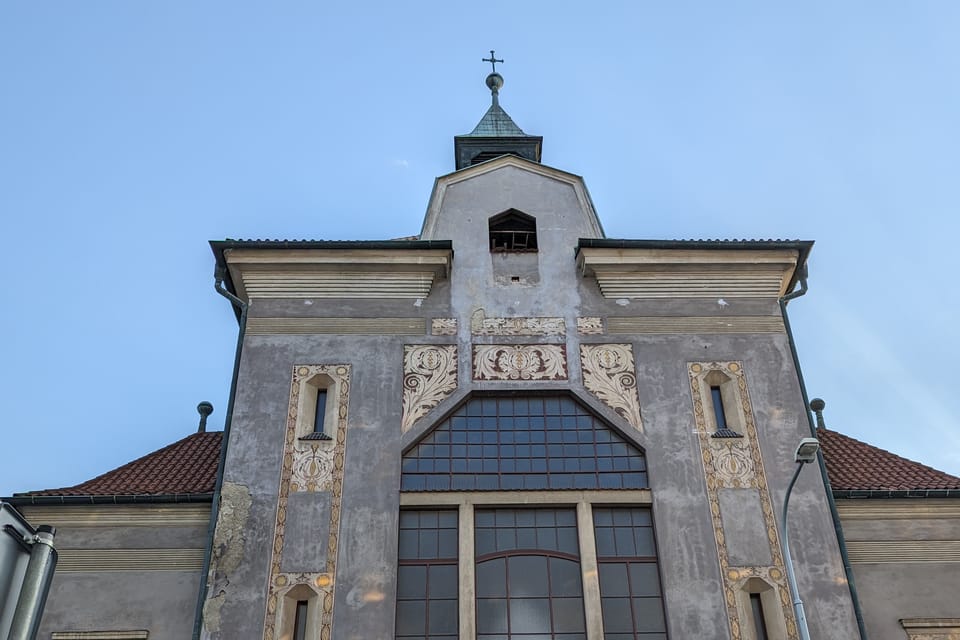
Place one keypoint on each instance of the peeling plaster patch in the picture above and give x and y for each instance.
(418, 302)
(228, 544)
(228, 541)
(211, 612)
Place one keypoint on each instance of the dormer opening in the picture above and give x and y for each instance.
(513, 232)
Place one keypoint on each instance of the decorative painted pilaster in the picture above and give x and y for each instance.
(310, 465)
(736, 463)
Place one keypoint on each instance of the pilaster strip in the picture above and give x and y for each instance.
(323, 583)
(719, 455)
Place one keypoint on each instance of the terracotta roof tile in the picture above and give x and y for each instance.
(189, 466)
(186, 466)
(857, 466)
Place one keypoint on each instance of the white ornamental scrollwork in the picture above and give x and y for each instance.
(733, 462)
(519, 362)
(590, 326)
(443, 326)
(522, 326)
(609, 374)
(312, 468)
(429, 376)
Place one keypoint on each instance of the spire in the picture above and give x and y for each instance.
(496, 134)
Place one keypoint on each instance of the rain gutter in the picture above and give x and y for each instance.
(240, 306)
(801, 277)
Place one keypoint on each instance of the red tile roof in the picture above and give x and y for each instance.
(857, 466)
(184, 467)
(189, 466)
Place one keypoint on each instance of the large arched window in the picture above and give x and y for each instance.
(531, 514)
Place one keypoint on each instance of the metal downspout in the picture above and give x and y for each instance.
(228, 419)
(837, 527)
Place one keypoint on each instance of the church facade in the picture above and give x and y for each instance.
(508, 427)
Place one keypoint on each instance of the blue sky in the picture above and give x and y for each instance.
(133, 132)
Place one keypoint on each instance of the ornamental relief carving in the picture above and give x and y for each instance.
(520, 362)
(609, 374)
(429, 376)
(443, 326)
(310, 466)
(590, 326)
(483, 326)
(732, 462)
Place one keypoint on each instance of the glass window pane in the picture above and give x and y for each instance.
(648, 614)
(492, 578)
(625, 544)
(565, 578)
(443, 581)
(411, 582)
(617, 617)
(411, 618)
(529, 615)
(491, 616)
(447, 544)
(643, 539)
(613, 579)
(605, 544)
(409, 544)
(428, 543)
(568, 615)
(527, 576)
(443, 617)
(644, 579)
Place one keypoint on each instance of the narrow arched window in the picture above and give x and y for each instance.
(513, 231)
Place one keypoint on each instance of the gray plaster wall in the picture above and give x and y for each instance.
(890, 591)
(160, 601)
(366, 570)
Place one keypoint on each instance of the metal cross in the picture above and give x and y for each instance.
(492, 60)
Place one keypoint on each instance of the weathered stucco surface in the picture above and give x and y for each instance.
(547, 284)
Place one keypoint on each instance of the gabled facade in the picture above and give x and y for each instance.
(514, 427)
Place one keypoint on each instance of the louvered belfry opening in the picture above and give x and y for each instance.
(513, 231)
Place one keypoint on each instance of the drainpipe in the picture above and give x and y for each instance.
(219, 276)
(838, 529)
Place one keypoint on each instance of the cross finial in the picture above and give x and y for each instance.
(492, 60)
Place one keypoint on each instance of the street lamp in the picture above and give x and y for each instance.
(806, 452)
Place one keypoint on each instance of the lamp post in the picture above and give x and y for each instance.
(806, 452)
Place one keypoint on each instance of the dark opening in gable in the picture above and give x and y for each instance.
(513, 230)
(508, 443)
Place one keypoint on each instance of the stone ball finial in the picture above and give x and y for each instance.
(817, 404)
(494, 82)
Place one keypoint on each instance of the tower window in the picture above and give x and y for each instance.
(300, 621)
(513, 231)
(718, 407)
